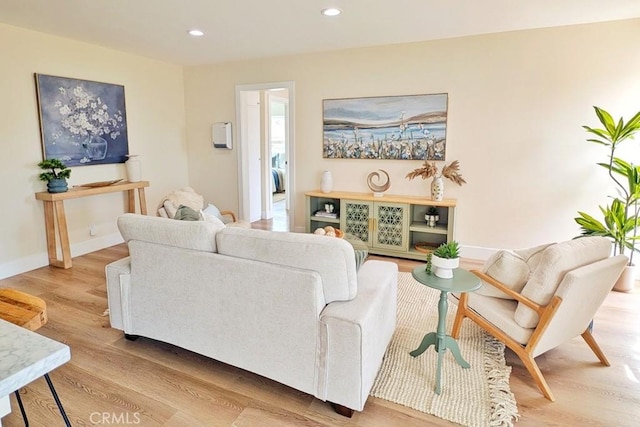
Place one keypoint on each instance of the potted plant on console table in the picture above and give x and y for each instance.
(55, 176)
(445, 258)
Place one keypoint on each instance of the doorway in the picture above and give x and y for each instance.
(266, 146)
(278, 117)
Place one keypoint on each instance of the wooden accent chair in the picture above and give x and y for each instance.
(569, 281)
(187, 196)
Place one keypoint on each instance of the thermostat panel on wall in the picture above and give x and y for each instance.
(222, 135)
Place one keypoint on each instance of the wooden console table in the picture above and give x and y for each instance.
(54, 216)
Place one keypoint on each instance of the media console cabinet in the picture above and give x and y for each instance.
(390, 225)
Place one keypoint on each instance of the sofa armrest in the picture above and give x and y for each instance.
(118, 275)
(354, 335)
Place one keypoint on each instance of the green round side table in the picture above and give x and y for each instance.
(462, 281)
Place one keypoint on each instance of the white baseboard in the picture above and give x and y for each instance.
(32, 262)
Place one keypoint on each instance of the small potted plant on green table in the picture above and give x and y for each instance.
(445, 258)
(55, 175)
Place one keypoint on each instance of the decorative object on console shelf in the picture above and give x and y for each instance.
(82, 122)
(410, 127)
(99, 183)
(621, 217)
(329, 231)
(328, 212)
(55, 176)
(445, 258)
(378, 189)
(429, 169)
(134, 168)
(432, 217)
(326, 182)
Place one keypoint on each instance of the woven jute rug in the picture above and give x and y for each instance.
(478, 396)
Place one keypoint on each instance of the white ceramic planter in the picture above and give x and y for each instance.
(627, 280)
(443, 267)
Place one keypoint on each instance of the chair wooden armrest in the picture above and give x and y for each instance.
(518, 297)
(231, 214)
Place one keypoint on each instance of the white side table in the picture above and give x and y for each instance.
(24, 357)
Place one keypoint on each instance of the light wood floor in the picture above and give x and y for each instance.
(111, 381)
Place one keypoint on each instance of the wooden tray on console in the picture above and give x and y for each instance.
(100, 183)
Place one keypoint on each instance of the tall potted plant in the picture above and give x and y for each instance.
(620, 218)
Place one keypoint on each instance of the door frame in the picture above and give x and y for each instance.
(285, 100)
(243, 155)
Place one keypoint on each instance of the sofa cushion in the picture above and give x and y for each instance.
(509, 269)
(333, 259)
(196, 235)
(556, 261)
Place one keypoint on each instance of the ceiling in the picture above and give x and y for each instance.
(247, 29)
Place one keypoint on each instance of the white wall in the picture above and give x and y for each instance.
(154, 95)
(516, 105)
(517, 102)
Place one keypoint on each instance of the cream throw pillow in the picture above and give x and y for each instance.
(508, 268)
(532, 255)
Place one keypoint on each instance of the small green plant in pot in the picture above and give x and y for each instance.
(445, 258)
(620, 218)
(55, 175)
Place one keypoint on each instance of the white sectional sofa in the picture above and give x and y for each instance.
(287, 306)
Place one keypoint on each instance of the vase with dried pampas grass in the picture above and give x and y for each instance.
(429, 169)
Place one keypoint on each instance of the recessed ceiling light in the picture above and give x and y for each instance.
(331, 11)
(196, 33)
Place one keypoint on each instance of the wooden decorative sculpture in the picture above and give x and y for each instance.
(378, 189)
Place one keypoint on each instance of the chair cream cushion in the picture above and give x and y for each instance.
(532, 255)
(555, 261)
(509, 269)
(499, 312)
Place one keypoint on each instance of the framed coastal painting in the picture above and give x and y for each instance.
(82, 122)
(411, 127)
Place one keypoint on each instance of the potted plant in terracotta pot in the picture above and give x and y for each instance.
(55, 175)
(445, 258)
(621, 216)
